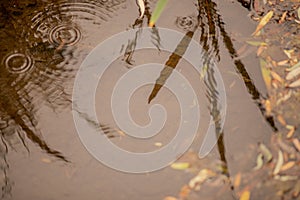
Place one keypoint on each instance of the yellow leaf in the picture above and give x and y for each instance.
(265, 73)
(237, 180)
(245, 195)
(180, 165)
(263, 22)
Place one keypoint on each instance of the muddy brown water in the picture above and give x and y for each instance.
(43, 44)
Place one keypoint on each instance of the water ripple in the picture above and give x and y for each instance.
(17, 63)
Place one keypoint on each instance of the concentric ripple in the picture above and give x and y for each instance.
(62, 22)
(64, 34)
(18, 63)
(186, 23)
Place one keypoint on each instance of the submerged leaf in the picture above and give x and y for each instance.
(157, 11)
(292, 74)
(279, 163)
(265, 73)
(263, 22)
(287, 166)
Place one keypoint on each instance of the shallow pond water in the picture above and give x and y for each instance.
(43, 44)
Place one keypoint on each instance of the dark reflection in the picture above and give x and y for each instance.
(138, 24)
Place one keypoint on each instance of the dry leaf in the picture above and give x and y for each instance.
(292, 74)
(276, 77)
(268, 107)
(265, 73)
(287, 166)
(281, 120)
(263, 22)
(279, 163)
(282, 63)
(291, 132)
(294, 84)
(297, 65)
(184, 192)
(245, 195)
(282, 19)
(296, 144)
(203, 175)
(237, 180)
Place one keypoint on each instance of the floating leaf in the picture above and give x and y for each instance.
(157, 11)
(279, 163)
(291, 131)
(180, 165)
(294, 84)
(256, 43)
(263, 22)
(245, 195)
(265, 73)
(289, 53)
(292, 74)
(259, 162)
(266, 152)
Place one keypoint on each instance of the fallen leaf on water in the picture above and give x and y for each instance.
(291, 131)
(259, 162)
(287, 166)
(180, 165)
(294, 84)
(276, 77)
(202, 176)
(292, 74)
(237, 180)
(260, 50)
(289, 53)
(256, 43)
(263, 22)
(286, 178)
(279, 163)
(268, 107)
(265, 73)
(282, 63)
(282, 19)
(296, 190)
(296, 144)
(184, 192)
(281, 120)
(297, 65)
(266, 152)
(245, 195)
